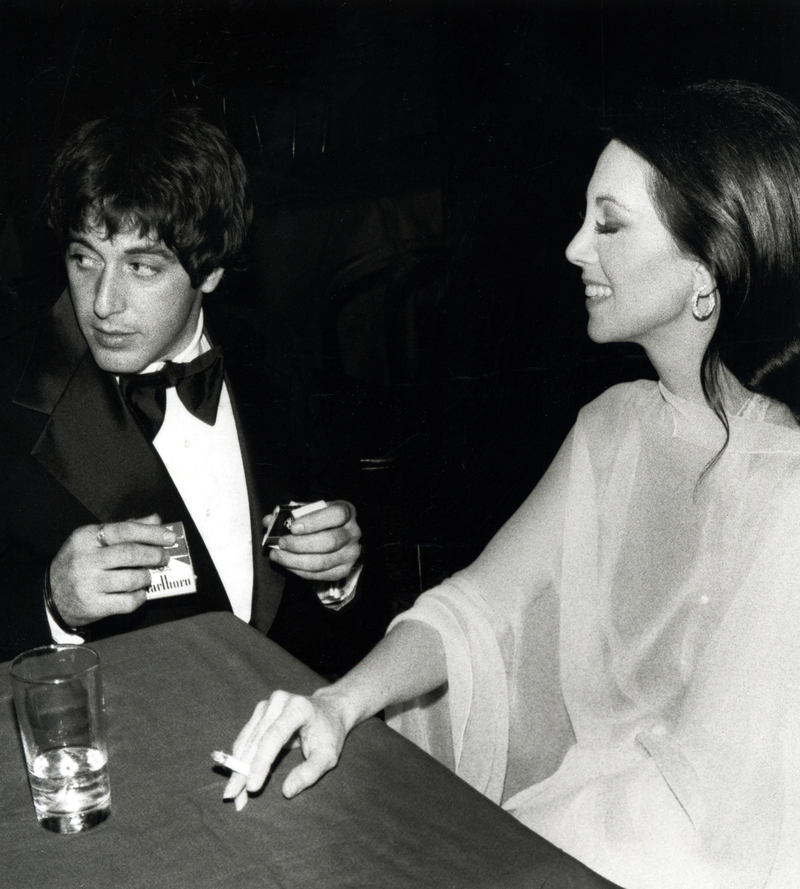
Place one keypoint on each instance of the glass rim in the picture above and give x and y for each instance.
(53, 648)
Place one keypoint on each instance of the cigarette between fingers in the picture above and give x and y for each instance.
(308, 508)
(231, 762)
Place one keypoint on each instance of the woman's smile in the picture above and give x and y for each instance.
(596, 293)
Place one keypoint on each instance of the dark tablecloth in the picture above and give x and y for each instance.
(388, 816)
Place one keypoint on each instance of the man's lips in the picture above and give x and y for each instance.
(112, 338)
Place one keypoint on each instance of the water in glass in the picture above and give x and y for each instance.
(70, 788)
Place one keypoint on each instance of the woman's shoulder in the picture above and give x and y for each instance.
(765, 426)
(762, 408)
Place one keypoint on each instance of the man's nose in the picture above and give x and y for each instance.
(580, 250)
(108, 295)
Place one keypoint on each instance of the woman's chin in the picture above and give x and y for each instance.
(599, 333)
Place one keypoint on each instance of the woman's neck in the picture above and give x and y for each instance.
(685, 383)
(679, 372)
(684, 380)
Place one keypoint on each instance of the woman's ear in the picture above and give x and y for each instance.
(704, 282)
(212, 280)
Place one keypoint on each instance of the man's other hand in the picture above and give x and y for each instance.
(323, 545)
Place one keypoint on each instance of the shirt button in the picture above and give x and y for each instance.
(208, 512)
(704, 600)
(186, 443)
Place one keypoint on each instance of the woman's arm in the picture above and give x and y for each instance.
(407, 663)
(410, 661)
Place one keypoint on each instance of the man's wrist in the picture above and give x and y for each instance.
(335, 596)
(52, 609)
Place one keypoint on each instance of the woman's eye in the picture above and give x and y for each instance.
(605, 228)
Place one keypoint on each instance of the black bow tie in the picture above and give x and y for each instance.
(198, 384)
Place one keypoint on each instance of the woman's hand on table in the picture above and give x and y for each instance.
(317, 725)
(321, 723)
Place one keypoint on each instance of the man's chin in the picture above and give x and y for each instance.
(118, 361)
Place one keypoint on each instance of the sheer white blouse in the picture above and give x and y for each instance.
(624, 657)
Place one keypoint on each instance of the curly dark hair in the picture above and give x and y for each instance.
(176, 177)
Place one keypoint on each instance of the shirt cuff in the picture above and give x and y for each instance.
(335, 596)
(58, 630)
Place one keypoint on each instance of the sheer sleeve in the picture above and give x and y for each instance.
(501, 724)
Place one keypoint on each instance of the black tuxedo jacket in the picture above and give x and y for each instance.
(71, 455)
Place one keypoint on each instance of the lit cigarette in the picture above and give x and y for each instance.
(231, 762)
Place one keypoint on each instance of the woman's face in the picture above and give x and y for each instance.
(639, 286)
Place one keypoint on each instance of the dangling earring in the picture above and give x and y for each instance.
(712, 304)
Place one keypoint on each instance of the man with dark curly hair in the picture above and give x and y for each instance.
(119, 418)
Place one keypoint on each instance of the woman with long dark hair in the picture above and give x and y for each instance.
(619, 668)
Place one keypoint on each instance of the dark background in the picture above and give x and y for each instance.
(417, 170)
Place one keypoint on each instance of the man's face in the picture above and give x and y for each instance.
(133, 299)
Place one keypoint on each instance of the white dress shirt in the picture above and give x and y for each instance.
(205, 465)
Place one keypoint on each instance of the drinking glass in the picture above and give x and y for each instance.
(58, 697)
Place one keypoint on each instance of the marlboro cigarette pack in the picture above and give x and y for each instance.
(176, 578)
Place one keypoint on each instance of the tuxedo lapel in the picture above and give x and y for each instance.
(57, 350)
(267, 583)
(91, 445)
(94, 448)
(250, 398)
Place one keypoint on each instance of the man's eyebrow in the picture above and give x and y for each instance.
(154, 250)
(77, 239)
(139, 250)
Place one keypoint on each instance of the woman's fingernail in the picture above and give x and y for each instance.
(298, 528)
